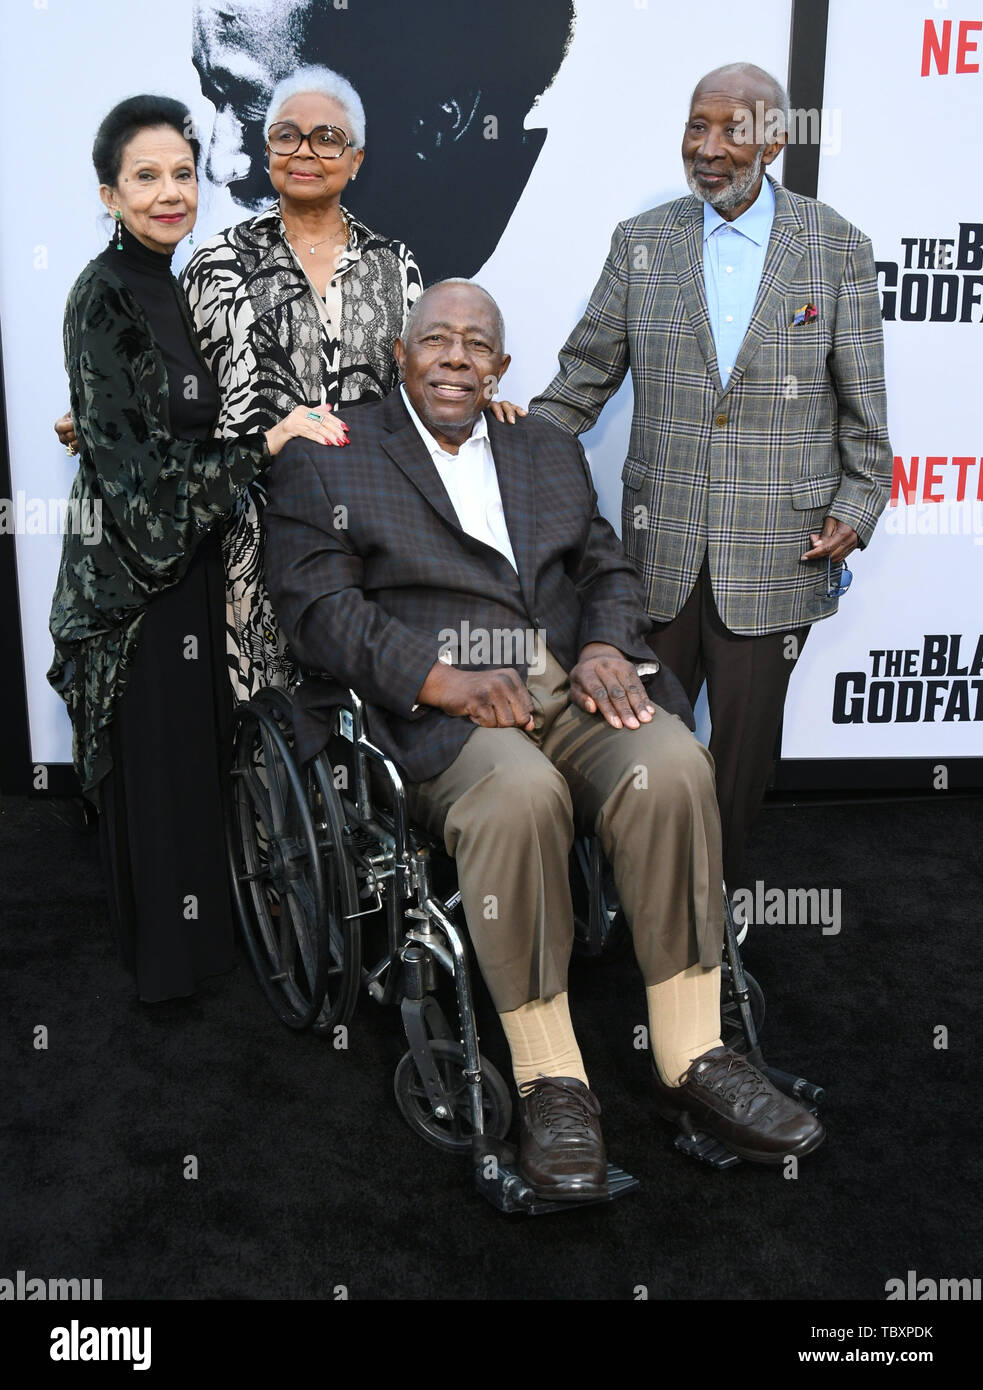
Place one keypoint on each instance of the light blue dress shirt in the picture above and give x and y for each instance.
(733, 259)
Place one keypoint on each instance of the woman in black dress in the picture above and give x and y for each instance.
(138, 617)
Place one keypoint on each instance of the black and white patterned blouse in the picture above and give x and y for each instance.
(272, 343)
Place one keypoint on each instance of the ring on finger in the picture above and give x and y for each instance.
(313, 415)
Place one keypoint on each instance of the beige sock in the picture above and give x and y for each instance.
(684, 1019)
(541, 1039)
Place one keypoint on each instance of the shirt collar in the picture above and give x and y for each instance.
(480, 430)
(755, 223)
(270, 217)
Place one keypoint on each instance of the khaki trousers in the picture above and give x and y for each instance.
(509, 805)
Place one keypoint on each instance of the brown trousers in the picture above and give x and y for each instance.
(747, 678)
(508, 807)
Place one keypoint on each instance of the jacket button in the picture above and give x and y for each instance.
(720, 419)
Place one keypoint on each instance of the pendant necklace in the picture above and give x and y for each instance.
(345, 226)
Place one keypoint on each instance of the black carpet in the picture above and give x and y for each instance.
(309, 1182)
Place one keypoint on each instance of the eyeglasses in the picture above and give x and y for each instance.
(326, 141)
(836, 589)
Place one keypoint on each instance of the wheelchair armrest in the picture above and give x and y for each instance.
(332, 695)
(326, 683)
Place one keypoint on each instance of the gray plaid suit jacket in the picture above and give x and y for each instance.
(368, 569)
(743, 472)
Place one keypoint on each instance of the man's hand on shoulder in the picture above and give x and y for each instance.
(505, 412)
(493, 699)
(604, 682)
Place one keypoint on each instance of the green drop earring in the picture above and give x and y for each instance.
(119, 229)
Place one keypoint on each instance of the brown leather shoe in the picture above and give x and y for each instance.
(561, 1151)
(723, 1095)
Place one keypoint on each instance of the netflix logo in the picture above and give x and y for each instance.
(951, 47)
(936, 478)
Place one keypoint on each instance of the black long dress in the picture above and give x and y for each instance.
(161, 823)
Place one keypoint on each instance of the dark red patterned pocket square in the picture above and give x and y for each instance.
(806, 314)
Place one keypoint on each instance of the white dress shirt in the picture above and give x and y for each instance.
(472, 485)
(471, 482)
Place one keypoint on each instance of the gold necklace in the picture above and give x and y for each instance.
(346, 227)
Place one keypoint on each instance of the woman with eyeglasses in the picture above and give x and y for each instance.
(138, 613)
(302, 302)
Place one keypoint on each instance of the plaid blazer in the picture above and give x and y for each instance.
(743, 471)
(369, 571)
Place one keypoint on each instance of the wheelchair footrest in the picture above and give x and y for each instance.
(706, 1149)
(497, 1178)
(709, 1150)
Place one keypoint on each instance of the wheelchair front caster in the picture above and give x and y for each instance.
(446, 1121)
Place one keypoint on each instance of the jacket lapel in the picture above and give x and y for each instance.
(785, 250)
(407, 450)
(516, 483)
(687, 250)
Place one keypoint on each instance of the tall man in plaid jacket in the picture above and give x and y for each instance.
(405, 564)
(759, 456)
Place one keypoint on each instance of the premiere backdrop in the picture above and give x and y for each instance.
(899, 672)
(503, 142)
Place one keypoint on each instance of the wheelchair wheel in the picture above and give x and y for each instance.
(344, 931)
(731, 1028)
(453, 1132)
(294, 888)
(601, 931)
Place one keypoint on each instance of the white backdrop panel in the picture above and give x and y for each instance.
(908, 143)
(629, 71)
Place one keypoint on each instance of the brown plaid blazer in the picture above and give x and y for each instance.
(368, 569)
(742, 472)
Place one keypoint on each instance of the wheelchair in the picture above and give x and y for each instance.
(335, 891)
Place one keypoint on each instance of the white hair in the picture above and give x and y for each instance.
(414, 308)
(326, 83)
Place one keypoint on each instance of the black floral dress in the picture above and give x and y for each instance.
(138, 615)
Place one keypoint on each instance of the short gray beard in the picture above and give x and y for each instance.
(733, 194)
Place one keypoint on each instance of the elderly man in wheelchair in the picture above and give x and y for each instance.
(455, 574)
